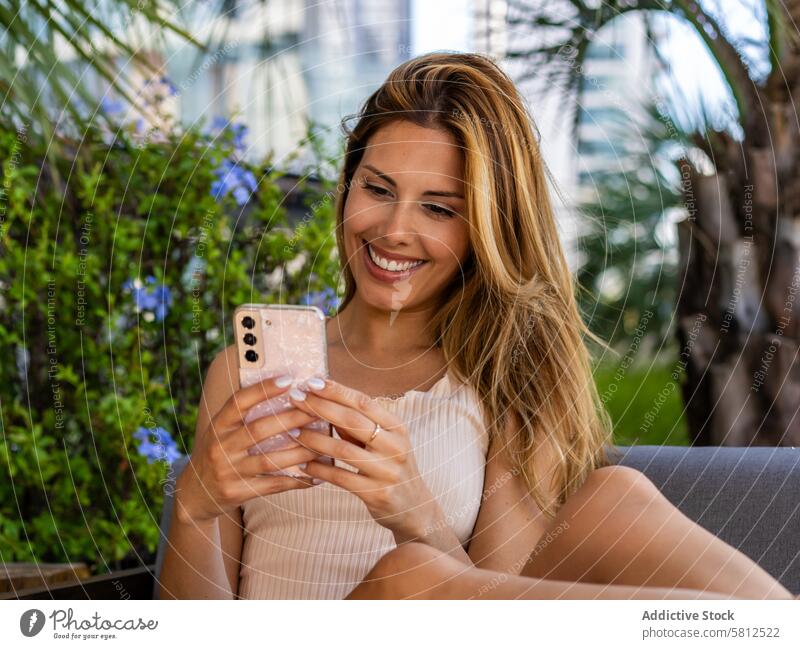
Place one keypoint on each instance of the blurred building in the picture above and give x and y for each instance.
(279, 65)
(576, 146)
(619, 74)
(283, 65)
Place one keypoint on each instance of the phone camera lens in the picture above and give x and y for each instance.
(248, 322)
(249, 339)
(251, 355)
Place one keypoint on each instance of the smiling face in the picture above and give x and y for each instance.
(406, 200)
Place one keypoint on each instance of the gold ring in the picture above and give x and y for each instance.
(374, 433)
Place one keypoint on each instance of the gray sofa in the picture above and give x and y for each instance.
(748, 497)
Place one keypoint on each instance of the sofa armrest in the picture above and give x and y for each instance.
(747, 496)
(174, 472)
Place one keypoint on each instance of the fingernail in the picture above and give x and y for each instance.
(303, 465)
(283, 380)
(294, 432)
(272, 443)
(297, 395)
(315, 383)
(317, 481)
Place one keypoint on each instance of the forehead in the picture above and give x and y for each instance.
(408, 153)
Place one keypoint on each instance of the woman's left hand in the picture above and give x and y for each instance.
(388, 481)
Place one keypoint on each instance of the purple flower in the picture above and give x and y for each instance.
(155, 299)
(110, 105)
(170, 86)
(163, 447)
(238, 130)
(325, 299)
(232, 178)
(241, 195)
(219, 123)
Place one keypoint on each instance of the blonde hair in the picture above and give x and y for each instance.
(509, 323)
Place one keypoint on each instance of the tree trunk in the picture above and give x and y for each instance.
(739, 302)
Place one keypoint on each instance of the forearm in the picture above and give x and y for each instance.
(193, 566)
(433, 530)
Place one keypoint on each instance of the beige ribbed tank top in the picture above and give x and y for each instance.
(320, 542)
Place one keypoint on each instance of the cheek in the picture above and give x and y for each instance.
(358, 212)
(450, 247)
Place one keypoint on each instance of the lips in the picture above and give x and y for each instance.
(391, 257)
(387, 276)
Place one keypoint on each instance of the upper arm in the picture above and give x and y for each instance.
(221, 381)
(509, 522)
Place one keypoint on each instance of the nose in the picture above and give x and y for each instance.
(398, 222)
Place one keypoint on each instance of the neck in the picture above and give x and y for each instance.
(372, 332)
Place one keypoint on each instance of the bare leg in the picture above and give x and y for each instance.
(418, 571)
(619, 529)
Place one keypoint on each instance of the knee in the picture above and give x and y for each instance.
(404, 558)
(618, 484)
(403, 571)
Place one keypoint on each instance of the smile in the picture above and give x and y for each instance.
(389, 269)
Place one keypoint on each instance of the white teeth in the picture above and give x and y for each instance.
(394, 266)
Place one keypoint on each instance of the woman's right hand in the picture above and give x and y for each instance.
(221, 475)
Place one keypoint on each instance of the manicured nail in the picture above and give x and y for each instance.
(317, 481)
(294, 432)
(283, 380)
(275, 442)
(297, 395)
(302, 466)
(315, 383)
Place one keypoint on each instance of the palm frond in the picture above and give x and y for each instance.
(55, 38)
(565, 30)
(736, 72)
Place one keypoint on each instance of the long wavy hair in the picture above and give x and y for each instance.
(509, 323)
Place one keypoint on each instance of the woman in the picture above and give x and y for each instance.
(467, 426)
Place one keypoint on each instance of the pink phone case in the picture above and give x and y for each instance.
(280, 339)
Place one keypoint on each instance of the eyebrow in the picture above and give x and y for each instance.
(389, 180)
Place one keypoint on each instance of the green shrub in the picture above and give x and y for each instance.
(644, 403)
(116, 291)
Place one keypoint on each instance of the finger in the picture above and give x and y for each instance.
(258, 430)
(253, 465)
(355, 483)
(352, 398)
(356, 422)
(242, 400)
(367, 462)
(267, 485)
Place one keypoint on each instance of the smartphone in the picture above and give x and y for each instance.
(275, 339)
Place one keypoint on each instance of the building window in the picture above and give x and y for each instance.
(601, 115)
(598, 50)
(599, 147)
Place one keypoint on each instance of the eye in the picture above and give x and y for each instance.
(438, 209)
(378, 191)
